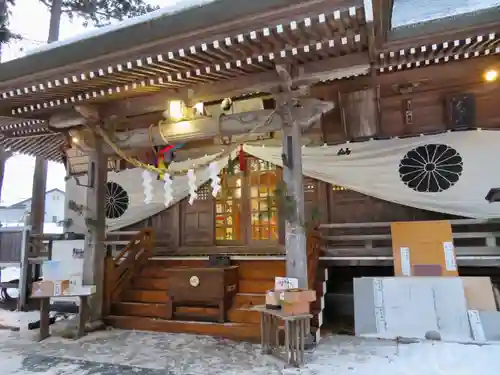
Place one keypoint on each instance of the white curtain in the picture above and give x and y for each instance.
(461, 168)
(130, 180)
(450, 172)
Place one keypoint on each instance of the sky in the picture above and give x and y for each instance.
(18, 179)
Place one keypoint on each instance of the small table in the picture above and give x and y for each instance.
(297, 327)
(83, 313)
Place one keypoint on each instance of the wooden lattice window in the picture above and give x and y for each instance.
(338, 188)
(204, 192)
(228, 206)
(263, 179)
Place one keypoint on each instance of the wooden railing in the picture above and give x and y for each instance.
(119, 270)
(313, 252)
(475, 240)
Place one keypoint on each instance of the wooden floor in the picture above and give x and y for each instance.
(144, 306)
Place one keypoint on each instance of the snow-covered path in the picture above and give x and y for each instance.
(140, 353)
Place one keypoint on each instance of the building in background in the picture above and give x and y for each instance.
(14, 215)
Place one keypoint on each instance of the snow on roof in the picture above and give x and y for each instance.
(408, 12)
(177, 7)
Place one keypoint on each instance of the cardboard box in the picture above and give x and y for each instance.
(296, 296)
(479, 293)
(50, 288)
(298, 308)
(272, 300)
(423, 248)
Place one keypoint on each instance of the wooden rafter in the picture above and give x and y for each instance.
(382, 18)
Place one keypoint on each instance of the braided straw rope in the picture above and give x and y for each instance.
(139, 164)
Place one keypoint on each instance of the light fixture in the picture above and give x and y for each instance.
(490, 75)
(226, 104)
(175, 110)
(199, 109)
(75, 140)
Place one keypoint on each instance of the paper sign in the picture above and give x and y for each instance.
(57, 288)
(476, 325)
(285, 283)
(449, 256)
(405, 261)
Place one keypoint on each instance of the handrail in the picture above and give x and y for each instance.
(121, 269)
(380, 224)
(313, 252)
(373, 240)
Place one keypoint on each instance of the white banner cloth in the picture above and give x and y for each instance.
(450, 172)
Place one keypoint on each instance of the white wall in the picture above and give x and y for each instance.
(54, 210)
(12, 215)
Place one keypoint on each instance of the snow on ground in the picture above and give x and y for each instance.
(18, 319)
(119, 352)
(7, 274)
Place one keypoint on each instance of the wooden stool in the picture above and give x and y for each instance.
(297, 328)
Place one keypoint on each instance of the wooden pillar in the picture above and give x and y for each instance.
(94, 250)
(4, 156)
(37, 212)
(295, 232)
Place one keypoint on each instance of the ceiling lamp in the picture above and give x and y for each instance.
(490, 75)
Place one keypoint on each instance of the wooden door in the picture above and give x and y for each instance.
(197, 223)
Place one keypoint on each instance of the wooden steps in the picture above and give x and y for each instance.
(244, 315)
(144, 305)
(248, 299)
(153, 310)
(255, 286)
(150, 283)
(191, 313)
(233, 331)
(145, 296)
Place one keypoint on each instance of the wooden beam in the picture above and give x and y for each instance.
(332, 68)
(444, 72)
(382, 18)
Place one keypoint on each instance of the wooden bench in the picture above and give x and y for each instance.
(83, 314)
(297, 328)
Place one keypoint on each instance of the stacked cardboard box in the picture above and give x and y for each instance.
(289, 298)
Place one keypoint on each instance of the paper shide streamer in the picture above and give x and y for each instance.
(147, 183)
(192, 186)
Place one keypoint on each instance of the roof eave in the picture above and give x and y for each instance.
(133, 38)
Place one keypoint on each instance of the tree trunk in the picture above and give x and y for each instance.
(4, 156)
(3, 15)
(55, 20)
(41, 165)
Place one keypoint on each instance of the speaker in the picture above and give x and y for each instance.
(461, 111)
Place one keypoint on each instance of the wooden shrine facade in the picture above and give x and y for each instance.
(383, 81)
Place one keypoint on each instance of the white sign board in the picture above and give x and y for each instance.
(285, 283)
(71, 266)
